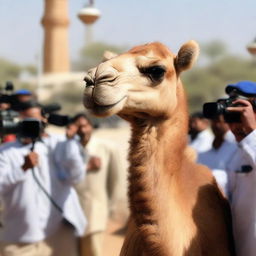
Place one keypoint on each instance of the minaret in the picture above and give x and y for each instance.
(55, 22)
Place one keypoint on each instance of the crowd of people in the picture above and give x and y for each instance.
(232, 158)
(57, 191)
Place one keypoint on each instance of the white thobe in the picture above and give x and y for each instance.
(242, 189)
(217, 160)
(28, 214)
(203, 141)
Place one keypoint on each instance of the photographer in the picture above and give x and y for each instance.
(41, 209)
(10, 103)
(240, 112)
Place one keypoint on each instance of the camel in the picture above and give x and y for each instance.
(176, 206)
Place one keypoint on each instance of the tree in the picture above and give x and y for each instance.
(207, 83)
(214, 50)
(91, 55)
(8, 70)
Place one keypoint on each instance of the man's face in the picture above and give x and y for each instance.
(197, 125)
(4, 106)
(24, 98)
(247, 116)
(84, 128)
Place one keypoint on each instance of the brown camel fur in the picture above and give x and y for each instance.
(176, 206)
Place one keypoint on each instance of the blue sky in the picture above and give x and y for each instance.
(131, 22)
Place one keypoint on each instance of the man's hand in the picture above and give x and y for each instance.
(247, 115)
(94, 163)
(31, 160)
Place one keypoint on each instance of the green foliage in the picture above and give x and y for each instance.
(214, 49)
(8, 71)
(91, 55)
(31, 69)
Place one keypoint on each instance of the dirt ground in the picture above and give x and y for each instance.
(113, 242)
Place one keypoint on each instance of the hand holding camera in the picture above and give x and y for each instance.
(246, 113)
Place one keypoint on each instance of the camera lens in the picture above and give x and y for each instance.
(211, 109)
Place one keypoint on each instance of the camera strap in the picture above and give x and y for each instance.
(45, 192)
(42, 187)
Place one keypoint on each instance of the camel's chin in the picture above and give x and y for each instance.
(105, 111)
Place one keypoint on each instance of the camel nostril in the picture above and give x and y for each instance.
(88, 81)
(89, 84)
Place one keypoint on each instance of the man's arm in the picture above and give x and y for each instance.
(248, 148)
(70, 161)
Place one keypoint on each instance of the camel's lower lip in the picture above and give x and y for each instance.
(99, 108)
(110, 105)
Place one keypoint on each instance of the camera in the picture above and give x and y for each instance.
(28, 128)
(53, 118)
(213, 109)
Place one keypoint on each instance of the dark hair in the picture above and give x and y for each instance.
(80, 115)
(197, 114)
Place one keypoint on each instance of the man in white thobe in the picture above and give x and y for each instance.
(200, 137)
(102, 190)
(223, 148)
(41, 210)
(242, 168)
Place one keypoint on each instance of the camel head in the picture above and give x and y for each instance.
(140, 83)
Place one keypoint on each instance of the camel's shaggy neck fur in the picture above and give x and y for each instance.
(156, 155)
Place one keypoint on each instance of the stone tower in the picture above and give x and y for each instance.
(55, 22)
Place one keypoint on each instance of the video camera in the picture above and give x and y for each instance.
(28, 128)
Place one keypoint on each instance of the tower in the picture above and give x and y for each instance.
(55, 22)
(89, 15)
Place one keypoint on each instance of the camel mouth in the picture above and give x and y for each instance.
(107, 105)
(100, 106)
(106, 110)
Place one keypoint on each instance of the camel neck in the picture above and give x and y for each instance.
(155, 155)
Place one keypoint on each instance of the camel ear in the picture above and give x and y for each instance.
(107, 55)
(187, 56)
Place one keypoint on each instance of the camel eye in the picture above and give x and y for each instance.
(155, 73)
